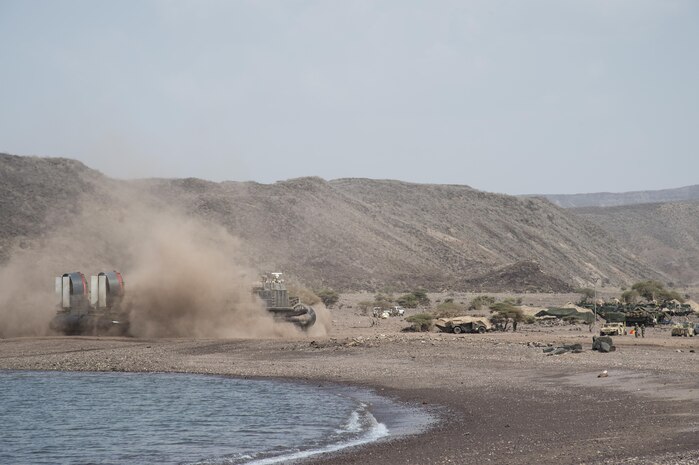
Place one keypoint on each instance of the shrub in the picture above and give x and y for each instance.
(328, 296)
(655, 291)
(504, 313)
(481, 301)
(449, 310)
(420, 322)
(586, 294)
(413, 299)
(629, 297)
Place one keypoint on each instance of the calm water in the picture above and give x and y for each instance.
(133, 418)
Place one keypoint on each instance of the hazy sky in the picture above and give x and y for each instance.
(506, 96)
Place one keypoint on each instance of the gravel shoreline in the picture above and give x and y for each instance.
(500, 398)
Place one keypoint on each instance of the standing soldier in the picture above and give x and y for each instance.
(635, 330)
(643, 330)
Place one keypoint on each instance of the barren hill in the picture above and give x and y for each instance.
(347, 233)
(665, 235)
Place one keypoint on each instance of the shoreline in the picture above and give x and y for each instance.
(500, 401)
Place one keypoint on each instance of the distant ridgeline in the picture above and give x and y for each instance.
(345, 234)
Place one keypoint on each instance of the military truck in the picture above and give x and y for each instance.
(683, 329)
(463, 324)
(612, 329)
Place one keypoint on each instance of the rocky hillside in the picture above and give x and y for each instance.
(38, 195)
(346, 234)
(665, 235)
(608, 199)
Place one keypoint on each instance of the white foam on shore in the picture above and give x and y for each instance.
(375, 432)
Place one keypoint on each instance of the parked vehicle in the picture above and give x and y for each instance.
(397, 311)
(612, 329)
(463, 324)
(683, 329)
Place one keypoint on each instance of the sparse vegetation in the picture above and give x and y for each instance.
(414, 299)
(504, 312)
(629, 297)
(586, 294)
(328, 296)
(449, 309)
(421, 322)
(655, 291)
(481, 301)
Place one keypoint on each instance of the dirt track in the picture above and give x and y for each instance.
(500, 399)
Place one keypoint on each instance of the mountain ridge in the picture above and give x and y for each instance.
(348, 233)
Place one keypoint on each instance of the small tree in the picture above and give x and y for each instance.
(655, 291)
(449, 309)
(328, 296)
(407, 301)
(421, 296)
(481, 301)
(629, 297)
(586, 294)
(421, 322)
(506, 312)
(413, 299)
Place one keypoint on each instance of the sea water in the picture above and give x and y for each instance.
(137, 418)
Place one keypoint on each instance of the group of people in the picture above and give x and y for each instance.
(639, 330)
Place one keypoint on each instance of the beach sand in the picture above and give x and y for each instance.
(498, 398)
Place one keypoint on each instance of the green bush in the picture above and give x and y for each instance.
(504, 313)
(420, 322)
(629, 297)
(481, 301)
(414, 299)
(449, 310)
(655, 291)
(328, 296)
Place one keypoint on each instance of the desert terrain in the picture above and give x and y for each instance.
(497, 396)
(189, 250)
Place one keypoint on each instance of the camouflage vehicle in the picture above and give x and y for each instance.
(683, 329)
(642, 316)
(463, 324)
(275, 296)
(613, 329)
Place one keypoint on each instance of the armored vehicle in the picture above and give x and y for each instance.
(275, 296)
(641, 316)
(612, 329)
(683, 329)
(92, 311)
(463, 324)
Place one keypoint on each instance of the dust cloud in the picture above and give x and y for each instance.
(184, 277)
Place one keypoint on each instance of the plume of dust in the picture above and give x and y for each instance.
(183, 276)
(323, 319)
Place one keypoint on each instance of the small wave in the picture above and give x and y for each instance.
(360, 420)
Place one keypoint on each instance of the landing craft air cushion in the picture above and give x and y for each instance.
(90, 312)
(99, 311)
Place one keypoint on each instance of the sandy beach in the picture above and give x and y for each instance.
(498, 397)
